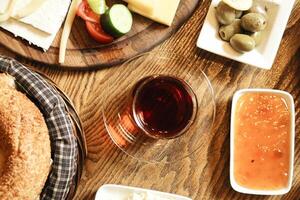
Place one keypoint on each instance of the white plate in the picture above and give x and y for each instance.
(120, 192)
(263, 55)
(290, 103)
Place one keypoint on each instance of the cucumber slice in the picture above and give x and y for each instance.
(98, 6)
(117, 21)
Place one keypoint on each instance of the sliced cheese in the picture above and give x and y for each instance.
(29, 33)
(146, 5)
(163, 12)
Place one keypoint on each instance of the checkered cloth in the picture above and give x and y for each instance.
(63, 142)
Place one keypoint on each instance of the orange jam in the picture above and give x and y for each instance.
(262, 141)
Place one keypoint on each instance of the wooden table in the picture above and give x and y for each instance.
(205, 175)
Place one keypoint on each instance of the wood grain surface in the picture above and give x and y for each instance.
(84, 52)
(205, 175)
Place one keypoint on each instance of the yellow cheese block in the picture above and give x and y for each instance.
(146, 5)
(164, 11)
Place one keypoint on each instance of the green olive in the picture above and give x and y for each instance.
(257, 37)
(254, 22)
(242, 42)
(258, 9)
(238, 14)
(227, 31)
(225, 14)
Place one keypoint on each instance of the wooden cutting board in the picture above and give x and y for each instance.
(85, 53)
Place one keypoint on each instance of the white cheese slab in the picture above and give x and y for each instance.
(41, 27)
(29, 33)
(48, 17)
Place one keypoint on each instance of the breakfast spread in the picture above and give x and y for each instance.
(158, 108)
(241, 23)
(25, 153)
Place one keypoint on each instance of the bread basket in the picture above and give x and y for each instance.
(68, 144)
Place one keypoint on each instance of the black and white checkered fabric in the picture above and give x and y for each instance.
(63, 142)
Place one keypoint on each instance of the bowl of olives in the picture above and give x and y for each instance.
(248, 31)
(241, 23)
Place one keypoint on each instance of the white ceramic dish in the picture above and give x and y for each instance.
(119, 192)
(262, 56)
(290, 103)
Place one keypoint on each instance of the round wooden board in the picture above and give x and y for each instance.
(84, 53)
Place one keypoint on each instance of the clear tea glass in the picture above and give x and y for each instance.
(159, 107)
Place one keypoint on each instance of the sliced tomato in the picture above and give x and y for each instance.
(96, 31)
(85, 12)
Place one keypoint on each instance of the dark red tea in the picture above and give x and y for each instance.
(163, 106)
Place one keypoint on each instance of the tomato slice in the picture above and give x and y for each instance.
(96, 31)
(85, 12)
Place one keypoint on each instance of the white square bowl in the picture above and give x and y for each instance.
(120, 192)
(264, 54)
(290, 103)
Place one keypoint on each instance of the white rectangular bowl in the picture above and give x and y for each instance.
(290, 103)
(120, 192)
(264, 54)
